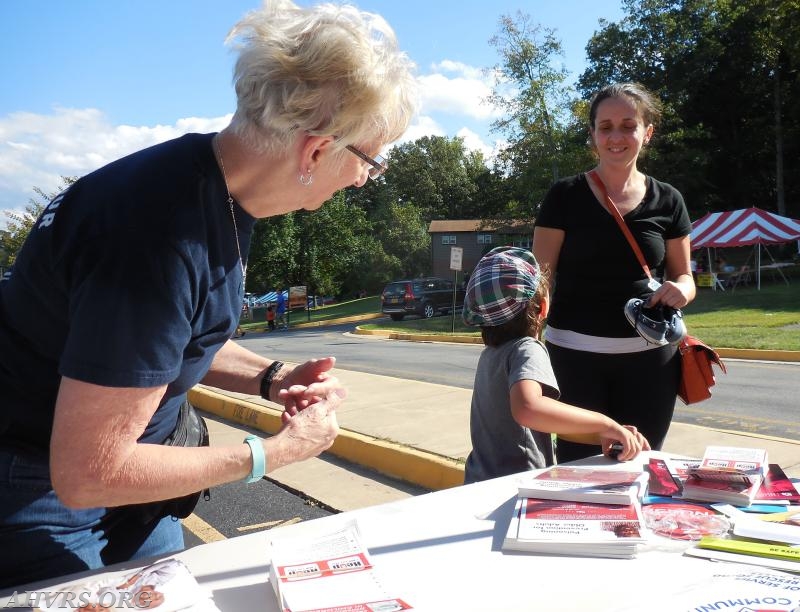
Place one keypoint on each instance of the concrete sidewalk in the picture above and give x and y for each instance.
(415, 432)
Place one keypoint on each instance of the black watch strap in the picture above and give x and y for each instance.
(266, 380)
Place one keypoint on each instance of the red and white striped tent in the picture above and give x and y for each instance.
(744, 227)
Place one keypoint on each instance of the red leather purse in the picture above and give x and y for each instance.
(697, 358)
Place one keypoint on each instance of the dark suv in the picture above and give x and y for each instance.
(420, 296)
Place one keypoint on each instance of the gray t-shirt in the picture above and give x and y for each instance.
(500, 445)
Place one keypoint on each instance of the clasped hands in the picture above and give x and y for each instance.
(310, 395)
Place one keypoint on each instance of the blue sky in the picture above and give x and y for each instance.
(85, 82)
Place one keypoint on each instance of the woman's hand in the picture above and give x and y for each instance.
(633, 442)
(305, 384)
(675, 294)
(307, 433)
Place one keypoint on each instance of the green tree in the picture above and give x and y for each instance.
(437, 174)
(21, 224)
(274, 251)
(535, 99)
(727, 74)
(405, 238)
(317, 249)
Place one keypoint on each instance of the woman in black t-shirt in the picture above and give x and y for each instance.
(601, 363)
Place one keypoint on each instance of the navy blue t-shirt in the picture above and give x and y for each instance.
(130, 278)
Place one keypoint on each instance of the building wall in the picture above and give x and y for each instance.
(471, 254)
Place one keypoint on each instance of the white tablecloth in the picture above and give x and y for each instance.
(441, 551)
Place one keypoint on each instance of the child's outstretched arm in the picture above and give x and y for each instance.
(530, 408)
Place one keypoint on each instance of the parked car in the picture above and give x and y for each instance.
(420, 296)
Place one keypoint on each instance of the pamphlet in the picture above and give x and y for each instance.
(777, 487)
(589, 484)
(575, 528)
(167, 585)
(784, 527)
(732, 464)
(329, 572)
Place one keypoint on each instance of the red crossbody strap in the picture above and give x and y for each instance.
(612, 208)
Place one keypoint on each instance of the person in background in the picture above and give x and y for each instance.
(515, 403)
(130, 285)
(600, 361)
(723, 267)
(280, 310)
(271, 317)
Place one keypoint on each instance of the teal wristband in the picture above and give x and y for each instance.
(259, 459)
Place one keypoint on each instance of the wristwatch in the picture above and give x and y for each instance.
(266, 380)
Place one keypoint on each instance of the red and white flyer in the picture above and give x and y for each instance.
(329, 572)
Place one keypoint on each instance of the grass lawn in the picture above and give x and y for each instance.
(351, 308)
(746, 318)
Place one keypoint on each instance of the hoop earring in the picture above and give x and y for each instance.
(306, 180)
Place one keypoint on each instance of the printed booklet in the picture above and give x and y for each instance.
(588, 484)
(720, 491)
(733, 464)
(661, 480)
(575, 528)
(777, 487)
(727, 474)
(668, 476)
(329, 572)
(166, 586)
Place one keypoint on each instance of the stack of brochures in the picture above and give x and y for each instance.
(735, 505)
(668, 477)
(727, 474)
(581, 511)
(329, 570)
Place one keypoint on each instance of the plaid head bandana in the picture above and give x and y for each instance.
(502, 284)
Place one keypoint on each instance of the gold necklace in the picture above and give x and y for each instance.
(242, 265)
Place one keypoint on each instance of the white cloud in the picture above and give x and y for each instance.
(37, 150)
(463, 94)
(470, 72)
(422, 125)
(474, 142)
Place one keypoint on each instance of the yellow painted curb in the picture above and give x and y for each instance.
(417, 467)
(237, 410)
(392, 335)
(730, 353)
(758, 354)
(361, 317)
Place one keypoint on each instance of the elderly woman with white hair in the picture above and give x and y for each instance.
(130, 286)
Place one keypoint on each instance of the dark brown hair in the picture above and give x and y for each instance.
(646, 102)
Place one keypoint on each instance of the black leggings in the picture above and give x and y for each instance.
(632, 388)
